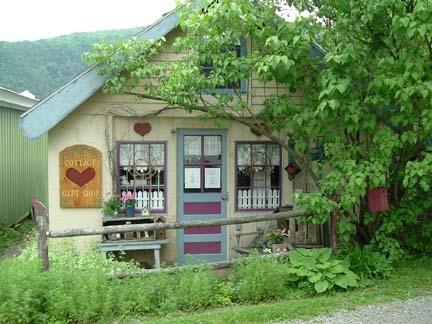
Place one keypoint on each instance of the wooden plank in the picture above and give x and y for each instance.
(172, 270)
(174, 225)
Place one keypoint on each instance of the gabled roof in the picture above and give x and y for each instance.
(52, 110)
(14, 100)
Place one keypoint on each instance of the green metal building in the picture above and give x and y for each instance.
(23, 162)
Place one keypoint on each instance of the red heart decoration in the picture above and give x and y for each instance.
(80, 178)
(142, 128)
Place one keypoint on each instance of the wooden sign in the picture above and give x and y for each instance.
(80, 177)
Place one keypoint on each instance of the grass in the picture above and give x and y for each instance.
(411, 279)
(11, 236)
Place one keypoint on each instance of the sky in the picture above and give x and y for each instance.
(37, 19)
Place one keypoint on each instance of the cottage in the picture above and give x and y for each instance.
(178, 167)
(23, 163)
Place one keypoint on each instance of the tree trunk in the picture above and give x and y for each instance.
(333, 230)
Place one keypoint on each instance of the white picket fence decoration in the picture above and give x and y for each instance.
(142, 199)
(256, 198)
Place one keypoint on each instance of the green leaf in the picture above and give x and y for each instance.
(315, 277)
(324, 255)
(349, 279)
(321, 286)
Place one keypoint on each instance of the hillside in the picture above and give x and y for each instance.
(44, 65)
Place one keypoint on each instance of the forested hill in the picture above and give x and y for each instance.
(44, 65)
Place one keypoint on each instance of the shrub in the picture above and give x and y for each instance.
(79, 288)
(256, 279)
(367, 263)
(322, 270)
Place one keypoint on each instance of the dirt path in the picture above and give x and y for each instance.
(412, 311)
(16, 248)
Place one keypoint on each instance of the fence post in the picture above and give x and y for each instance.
(42, 241)
(41, 214)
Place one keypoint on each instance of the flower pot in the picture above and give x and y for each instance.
(130, 211)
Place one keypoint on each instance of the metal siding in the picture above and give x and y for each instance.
(23, 168)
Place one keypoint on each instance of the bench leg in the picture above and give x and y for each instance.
(157, 258)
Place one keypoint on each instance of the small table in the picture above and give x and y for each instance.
(108, 246)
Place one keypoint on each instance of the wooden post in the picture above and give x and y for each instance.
(41, 226)
(42, 241)
(333, 226)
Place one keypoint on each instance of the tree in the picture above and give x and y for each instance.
(368, 100)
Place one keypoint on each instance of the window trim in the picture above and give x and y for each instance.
(117, 171)
(237, 143)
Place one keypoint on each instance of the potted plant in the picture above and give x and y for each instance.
(111, 206)
(129, 203)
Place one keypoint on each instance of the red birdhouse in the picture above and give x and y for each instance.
(292, 168)
(377, 200)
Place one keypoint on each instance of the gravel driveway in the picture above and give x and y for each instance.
(415, 311)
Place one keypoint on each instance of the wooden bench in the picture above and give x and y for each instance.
(110, 246)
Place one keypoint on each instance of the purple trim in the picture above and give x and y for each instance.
(205, 208)
(165, 187)
(203, 230)
(236, 187)
(202, 247)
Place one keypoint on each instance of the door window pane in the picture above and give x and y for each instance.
(212, 149)
(192, 149)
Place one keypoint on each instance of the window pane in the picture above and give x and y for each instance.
(157, 154)
(126, 154)
(212, 149)
(142, 175)
(157, 177)
(274, 177)
(243, 177)
(244, 154)
(192, 149)
(258, 154)
(259, 178)
(141, 154)
(212, 179)
(273, 154)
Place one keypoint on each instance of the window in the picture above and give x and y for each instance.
(202, 163)
(142, 171)
(207, 68)
(258, 175)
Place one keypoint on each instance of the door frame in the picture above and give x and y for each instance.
(180, 198)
